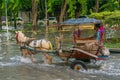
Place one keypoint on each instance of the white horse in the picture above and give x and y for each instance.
(41, 44)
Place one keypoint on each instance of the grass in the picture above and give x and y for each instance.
(112, 45)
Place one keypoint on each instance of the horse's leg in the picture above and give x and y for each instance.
(24, 53)
(31, 56)
(48, 58)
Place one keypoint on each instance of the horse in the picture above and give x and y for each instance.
(41, 44)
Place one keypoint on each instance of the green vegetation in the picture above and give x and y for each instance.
(108, 17)
(61, 9)
(106, 10)
(111, 45)
(112, 19)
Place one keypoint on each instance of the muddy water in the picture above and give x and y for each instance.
(14, 67)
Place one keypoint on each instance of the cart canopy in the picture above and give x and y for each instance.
(81, 21)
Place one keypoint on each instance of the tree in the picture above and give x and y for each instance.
(34, 14)
(14, 6)
(109, 5)
(54, 8)
(63, 10)
(1, 2)
(26, 6)
(96, 5)
(72, 7)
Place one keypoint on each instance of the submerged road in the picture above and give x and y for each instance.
(14, 67)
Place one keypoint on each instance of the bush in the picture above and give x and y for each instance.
(110, 18)
(113, 19)
(100, 15)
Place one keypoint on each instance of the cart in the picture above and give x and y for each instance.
(86, 50)
(82, 54)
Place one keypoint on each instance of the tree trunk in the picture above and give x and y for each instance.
(42, 6)
(119, 4)
(0, 21)
(34, 14)
(15, 24)
(63, 9)
(78, 10)
(96, 5)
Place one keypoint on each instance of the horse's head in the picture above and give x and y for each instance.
(21, 38)
(17, 36)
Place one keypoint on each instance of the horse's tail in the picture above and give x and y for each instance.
(51, 47)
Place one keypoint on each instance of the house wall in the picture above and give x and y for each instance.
(26, 15)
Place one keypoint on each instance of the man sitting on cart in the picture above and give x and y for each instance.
(99, 34)
(76, 34)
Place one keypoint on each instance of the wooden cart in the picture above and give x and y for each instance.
(83, 53)
(87, 49)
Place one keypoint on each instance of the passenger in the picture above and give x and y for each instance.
(99, 34)
(101, 30)
(79, 33)
(74, 36)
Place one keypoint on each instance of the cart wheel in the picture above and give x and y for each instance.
(79, 65)
(93, 61)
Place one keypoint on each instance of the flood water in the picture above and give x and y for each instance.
(14, 67)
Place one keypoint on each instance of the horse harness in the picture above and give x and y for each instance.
(35, 42)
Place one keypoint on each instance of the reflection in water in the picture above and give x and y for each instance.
(14, 67)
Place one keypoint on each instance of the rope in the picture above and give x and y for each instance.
(34, 50)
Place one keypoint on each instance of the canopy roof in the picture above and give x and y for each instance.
(81, 21)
